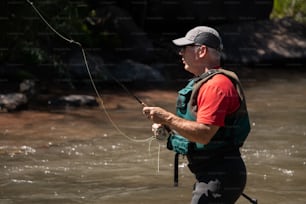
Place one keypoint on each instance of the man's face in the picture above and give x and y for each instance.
(190, 57)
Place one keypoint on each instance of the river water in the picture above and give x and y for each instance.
(77, 156)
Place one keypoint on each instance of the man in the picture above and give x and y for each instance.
(211, 120)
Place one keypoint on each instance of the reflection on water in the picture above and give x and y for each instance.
(76, 156)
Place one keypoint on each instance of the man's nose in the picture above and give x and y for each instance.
(181, 51)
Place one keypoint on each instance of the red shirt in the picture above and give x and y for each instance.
(217, 98)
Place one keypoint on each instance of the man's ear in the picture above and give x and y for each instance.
(202, 51)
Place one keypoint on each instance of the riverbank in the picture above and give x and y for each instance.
(46, 96)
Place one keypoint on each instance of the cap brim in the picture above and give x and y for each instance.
(182, 41)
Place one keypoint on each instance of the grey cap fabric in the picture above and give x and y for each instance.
(201, 35)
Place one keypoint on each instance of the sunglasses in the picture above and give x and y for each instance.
(183, 48)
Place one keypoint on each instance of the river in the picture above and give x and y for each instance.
(77, 155)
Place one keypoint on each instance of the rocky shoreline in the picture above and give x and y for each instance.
(267, 45)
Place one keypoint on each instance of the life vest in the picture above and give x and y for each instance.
(237, 125)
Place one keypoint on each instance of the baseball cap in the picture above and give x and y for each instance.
(201, 35)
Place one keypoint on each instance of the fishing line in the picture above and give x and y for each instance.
(158, 152)
(92, 81)
(101, 102)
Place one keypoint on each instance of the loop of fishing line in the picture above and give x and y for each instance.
(101, 102)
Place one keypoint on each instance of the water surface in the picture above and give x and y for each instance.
(77, 156)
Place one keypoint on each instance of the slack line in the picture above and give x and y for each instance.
(91, 78)
(101, 102)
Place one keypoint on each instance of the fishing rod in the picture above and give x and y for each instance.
(126, 89)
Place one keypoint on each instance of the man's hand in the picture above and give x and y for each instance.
(160, 132)
(157, 114)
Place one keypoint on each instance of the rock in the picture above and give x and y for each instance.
(126, 70)
(12, 102)
(27, 87)
(129, 70)
(74, 101)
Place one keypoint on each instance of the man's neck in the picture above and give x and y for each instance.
(206, 69)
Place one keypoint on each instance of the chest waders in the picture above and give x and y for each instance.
(228, 138)
(235, 130)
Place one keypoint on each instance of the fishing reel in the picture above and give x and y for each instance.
(160, 132)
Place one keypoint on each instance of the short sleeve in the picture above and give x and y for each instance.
(216, 99)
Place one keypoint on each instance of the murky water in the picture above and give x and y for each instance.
(77, 156)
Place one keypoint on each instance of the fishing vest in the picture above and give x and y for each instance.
(237, 125)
